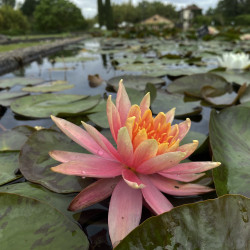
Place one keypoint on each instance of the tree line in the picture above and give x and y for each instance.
(40, 16)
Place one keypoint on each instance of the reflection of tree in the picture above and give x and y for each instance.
(19, 72)
(104, 60)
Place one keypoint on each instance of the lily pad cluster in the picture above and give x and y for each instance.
(176, 75)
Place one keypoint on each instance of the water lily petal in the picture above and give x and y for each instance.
(124, 211)
(182, 177)
(113, 118)
(170, 115)
(154, 198)
(139, 138)
(184, 128)
(102, 141)
(160, 162)
(129, 125)
(124, 146)
(175, 188)
(123, 104)
(131, 179)
(80, 136)
(146, 150)
(135, 111)
(91, 167)
(97, 191)
(65, 156)
(145, 103)
(188, 148)
(192, 167)
(159, 120)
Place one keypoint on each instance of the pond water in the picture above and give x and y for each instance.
(104, 54)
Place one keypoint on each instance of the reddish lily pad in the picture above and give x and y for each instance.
(221, 223)
(35, 162)
(230, 143)
(35, 224)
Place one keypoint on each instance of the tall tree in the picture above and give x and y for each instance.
(29, 7)
(109, 15)
(11, 3)
(101, 13)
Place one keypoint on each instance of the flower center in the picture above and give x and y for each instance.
(148, 127)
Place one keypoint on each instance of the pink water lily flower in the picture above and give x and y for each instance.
(145, 163)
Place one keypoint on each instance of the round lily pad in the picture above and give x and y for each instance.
(192, 85)
(6, 98)
(35, 162)
(10, 82)
(135, 81)
(164, 102)
(221, 223)
(42, 106)
(53, 86)
(36, 225)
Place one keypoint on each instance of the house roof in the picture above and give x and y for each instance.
(157, 19)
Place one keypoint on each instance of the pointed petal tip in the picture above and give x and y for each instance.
(218, 163)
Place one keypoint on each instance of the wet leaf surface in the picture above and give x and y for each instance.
(202, 225)
(230, 143)
(53, 230)
(35, 162)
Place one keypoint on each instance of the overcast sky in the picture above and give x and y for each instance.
(89, 7)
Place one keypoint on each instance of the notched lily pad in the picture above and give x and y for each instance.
(35, 162)
(202, 225)
(47, 228)
(42, 106)
(230, 143)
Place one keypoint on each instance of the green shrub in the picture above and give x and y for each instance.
(58, 16)
(12, 22)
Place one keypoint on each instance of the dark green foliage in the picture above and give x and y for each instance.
(109, 15)
(58, 16)
(29, 7)
(12, 21)
(243, 20)
(101, 13)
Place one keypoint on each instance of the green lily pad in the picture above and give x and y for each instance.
(8, 166)
(74, 59)
(35, 162)
(10, 82)
(6, 98)
(135, 81)
(34, 224)
(185, 71)
(230, 143)
(221, 223)
(11, 140)
(34, 191)
(164, 102)
(236, 77)
(192, 85)
(42, 106)
(53, 86)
